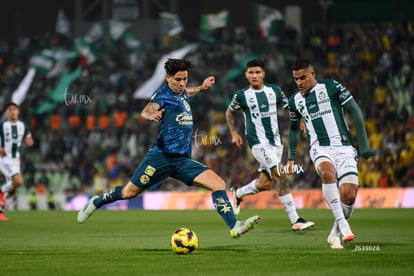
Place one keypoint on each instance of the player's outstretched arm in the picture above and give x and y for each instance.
(207, 83)
(293, 138)
(358, 119)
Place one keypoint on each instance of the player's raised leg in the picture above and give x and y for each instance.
(210, 180)
(117, 193)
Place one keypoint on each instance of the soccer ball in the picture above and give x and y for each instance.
(184, 241)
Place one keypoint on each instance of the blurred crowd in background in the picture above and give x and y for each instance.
(94, 142)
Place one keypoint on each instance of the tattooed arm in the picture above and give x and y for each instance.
(207, 83)
(151, 112)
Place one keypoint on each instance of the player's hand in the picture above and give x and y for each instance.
(208, 82)
(236, 139)
(2, 152)
(157, 115)
(302, 128)
(367, 153)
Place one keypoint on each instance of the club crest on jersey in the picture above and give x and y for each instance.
(144, 179)
(321, 95)
(186, 105)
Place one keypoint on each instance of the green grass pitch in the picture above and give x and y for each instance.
(136, 242)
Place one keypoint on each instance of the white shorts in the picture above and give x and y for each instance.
(268, 156)
(343, 158)
(9, 167)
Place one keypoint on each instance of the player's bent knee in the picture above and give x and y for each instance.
(210, 180)
(130, 191)
(17, 180)
(327, 176)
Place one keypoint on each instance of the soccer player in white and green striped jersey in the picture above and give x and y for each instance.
(320, 103)
(259, 102)
(12, 133)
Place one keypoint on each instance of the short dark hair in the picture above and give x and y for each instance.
(301, 63)
(172, 66)
(255, 63)
(11, 104)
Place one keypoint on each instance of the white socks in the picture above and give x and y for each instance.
(348, 210)
(248, 189)
(287, 200)
(290, 208)
(7, 187)
(331, 194)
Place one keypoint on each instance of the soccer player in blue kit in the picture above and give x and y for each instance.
(170, 156)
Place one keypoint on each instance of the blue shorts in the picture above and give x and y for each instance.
(156, 167)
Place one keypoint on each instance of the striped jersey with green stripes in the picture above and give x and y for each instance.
(322, 112)
(11, 137)
(260, 113)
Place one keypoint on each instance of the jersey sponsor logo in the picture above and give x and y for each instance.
(268, 114)
(324, 101)
(150, 170)
(345, 94)
(319, 114)
(184, 119)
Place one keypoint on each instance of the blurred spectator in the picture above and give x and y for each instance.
(51, 203)
(33, 201)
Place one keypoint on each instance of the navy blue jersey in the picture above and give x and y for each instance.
(176, 126)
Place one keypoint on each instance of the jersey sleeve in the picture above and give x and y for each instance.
(294, 115)
(1, 135)
(294, 122)
(235, 103)
(27, 132)
(341, 93)
(158, 98)
(282, 100)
